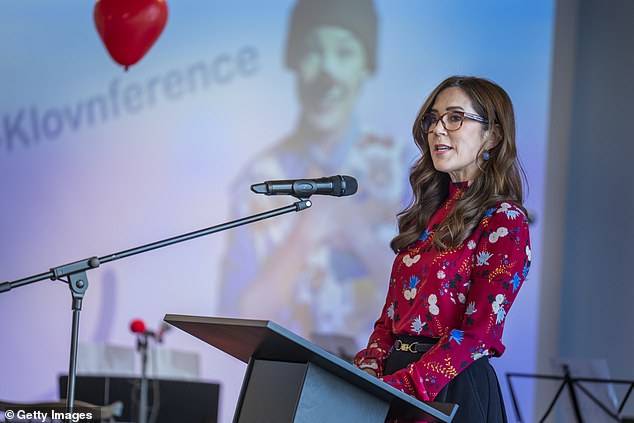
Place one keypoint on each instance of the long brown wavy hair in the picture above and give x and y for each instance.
(499, 178)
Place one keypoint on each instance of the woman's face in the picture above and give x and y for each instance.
(456, 152)
(330, 74)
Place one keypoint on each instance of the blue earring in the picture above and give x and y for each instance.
(486, 156)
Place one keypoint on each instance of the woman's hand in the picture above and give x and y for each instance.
(370, 371)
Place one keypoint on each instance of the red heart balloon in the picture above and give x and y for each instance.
(129, 28)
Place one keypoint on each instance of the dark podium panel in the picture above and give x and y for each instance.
(288, 379)
(178, 401)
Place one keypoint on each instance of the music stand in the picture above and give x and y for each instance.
(570, 383)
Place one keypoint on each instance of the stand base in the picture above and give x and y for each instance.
(283, 392)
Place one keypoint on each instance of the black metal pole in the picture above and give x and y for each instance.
(94, 262)
(515, 405)
(142, 344)
(78, 280)
(598, 403)
(552, 404)
(298, 206)
(627, 395)
(78, 283)
(573, 394)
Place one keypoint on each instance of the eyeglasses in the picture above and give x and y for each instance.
(451, 121)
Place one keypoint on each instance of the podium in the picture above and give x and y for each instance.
(288, 379)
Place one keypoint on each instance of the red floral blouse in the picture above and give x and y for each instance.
(460, 295)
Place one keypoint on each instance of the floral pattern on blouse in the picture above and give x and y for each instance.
(461, 296)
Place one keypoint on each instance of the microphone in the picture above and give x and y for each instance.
(138, 326)
(161, 332)
(338, 186)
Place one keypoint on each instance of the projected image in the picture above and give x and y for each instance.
(323, 270)
(94, 160)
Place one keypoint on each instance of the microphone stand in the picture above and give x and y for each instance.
(142, 343)
(77, 280)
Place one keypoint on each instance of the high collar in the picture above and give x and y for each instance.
(457, 187)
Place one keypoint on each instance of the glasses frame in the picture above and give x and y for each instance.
(467, 115)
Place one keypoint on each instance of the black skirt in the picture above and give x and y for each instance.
(476, 389)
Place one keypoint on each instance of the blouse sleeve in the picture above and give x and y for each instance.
(500, 265)
(381, 341)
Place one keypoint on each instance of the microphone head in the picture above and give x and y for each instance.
(137, 326)
(163, 328)
(259, 188)
(344, 185)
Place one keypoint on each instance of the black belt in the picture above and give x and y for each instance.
(414, 344)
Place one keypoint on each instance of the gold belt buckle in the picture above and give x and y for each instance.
(401, 346)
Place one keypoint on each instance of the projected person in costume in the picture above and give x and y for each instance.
(462, 254)
(321, 270)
